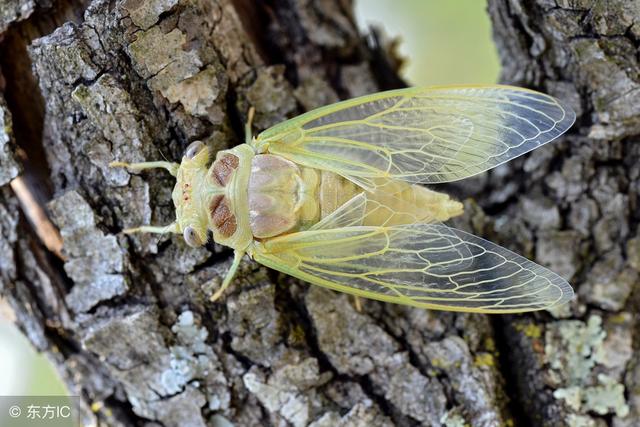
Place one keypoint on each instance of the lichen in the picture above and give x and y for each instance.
(454, 418)
(605, 398)
(573, 347)
(9, 167)
(484, 360)
(529, 329)
(574, 420)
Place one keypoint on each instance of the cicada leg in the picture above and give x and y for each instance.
(171, 167)
(237, 257)
(247, 127)
(162, 229)
(358, 303)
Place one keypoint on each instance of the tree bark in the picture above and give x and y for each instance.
(126, 319)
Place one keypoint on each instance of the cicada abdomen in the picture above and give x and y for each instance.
(285, 197)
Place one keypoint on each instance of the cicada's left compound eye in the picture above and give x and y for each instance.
(191, 237)
(193, 149)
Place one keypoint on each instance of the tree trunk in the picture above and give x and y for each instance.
(126, 319)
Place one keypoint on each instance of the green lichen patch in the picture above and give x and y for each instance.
(529, 329)
(605, 398)
(573, 348)
(454, 418)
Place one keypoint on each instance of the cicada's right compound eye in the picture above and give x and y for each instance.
(191, 237)
(193, 149)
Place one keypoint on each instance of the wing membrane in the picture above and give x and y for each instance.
(420, 135)
(423, 265)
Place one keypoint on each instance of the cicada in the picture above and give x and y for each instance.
(335, 197)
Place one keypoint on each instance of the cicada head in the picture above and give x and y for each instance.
(207, 198)
(211, 198)
(190, 194)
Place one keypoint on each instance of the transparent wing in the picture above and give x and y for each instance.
(420, 135)
(423, 265)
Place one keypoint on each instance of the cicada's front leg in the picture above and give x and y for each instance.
(171, 167)
(173, 170)
(154, 229)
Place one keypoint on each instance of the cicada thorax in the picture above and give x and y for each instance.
(225, 204)
(222, 217)
(283, 196)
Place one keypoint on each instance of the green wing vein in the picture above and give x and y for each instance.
(421, 135)
(424, 265)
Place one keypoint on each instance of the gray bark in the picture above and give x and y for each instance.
(127, 320)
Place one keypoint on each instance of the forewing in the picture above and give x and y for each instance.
(423, 265)
(420, 135)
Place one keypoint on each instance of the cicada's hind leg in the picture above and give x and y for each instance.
(171, 167)
(237, 257)
(357, 302)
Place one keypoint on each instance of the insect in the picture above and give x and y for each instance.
(334, 197)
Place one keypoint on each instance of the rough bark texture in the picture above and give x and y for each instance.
(127, 319)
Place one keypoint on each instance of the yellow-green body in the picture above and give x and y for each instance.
(334, 197)
(269, 196)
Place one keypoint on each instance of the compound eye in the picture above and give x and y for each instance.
(193, 149)
(191, 237)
